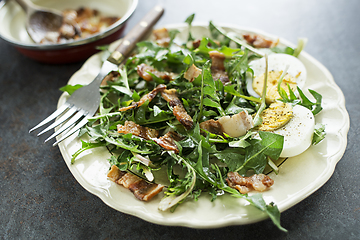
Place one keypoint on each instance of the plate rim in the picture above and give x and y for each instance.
(285, 204)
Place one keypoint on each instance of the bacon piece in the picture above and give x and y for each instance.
(178, 108)
(110, 77)
(67, 31)
(149, 96)
(217, 60)
(257, 182)
(141, 189)
(196, 43)
(115, 173)
(259, 41)
(144, 190)
(168, 141)
(220, 75)
(69, 16)
(212, 126)
(143, 70)
(137, 130)
(217, 67)
(192, 73)
(162, 37)
(234, 126)
(84, 14)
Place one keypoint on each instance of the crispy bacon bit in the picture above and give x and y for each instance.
(178, 108)
(234, 126)
(144, 190)
(110, 77)
(77, 24)
(162, 37)
(67, 31)
(168, 141)
(150, 96)
(196, 43)
(143, 71)
(220, 75)
(115, 173)
(217, 60)
(217, 67)
(192, 73)
(69, 16)
(141, 189)
(128, 179)
(259, 41)
(137, 130)
(257, 182)
(212, 126)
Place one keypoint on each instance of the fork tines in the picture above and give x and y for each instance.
(71, 118)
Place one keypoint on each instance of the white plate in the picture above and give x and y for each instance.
(299, 176)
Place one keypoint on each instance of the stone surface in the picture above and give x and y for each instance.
(40, 199)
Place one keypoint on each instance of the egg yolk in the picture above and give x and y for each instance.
(272, 93)
(275, 116)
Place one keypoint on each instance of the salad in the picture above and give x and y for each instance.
(205, 113)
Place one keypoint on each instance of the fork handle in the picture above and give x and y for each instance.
(135, 35)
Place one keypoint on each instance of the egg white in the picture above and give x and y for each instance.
(277, 62)
(298, 132)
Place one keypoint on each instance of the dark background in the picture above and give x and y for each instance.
(40, 199)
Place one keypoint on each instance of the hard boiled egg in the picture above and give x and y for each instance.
(297, 132)
(296, 75)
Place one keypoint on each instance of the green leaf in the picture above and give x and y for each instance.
(257, 118)
(189, 60)
(241, 142)
(270, 145)
(319, 133)
(233, 157)
(122, 90)
(211, 103)
(314, 107)
(70, 89)
(271, 210)
(122, 161)
(300, 46)
(231, 89)
(202, 165)
(255, 200)
(86, 146)
(173, 34)
(227, 51)
(274, 144)
(124, 81)
(189, 21)
(145, 115)
(286, 50)
(122, 143)
(135, 96)
(174, 197)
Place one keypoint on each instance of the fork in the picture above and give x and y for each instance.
(84, 102)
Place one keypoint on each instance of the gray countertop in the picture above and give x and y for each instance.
(40, 199)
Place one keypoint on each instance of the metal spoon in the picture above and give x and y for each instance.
(40, 20)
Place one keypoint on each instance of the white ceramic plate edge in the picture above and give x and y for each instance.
(104, 194)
